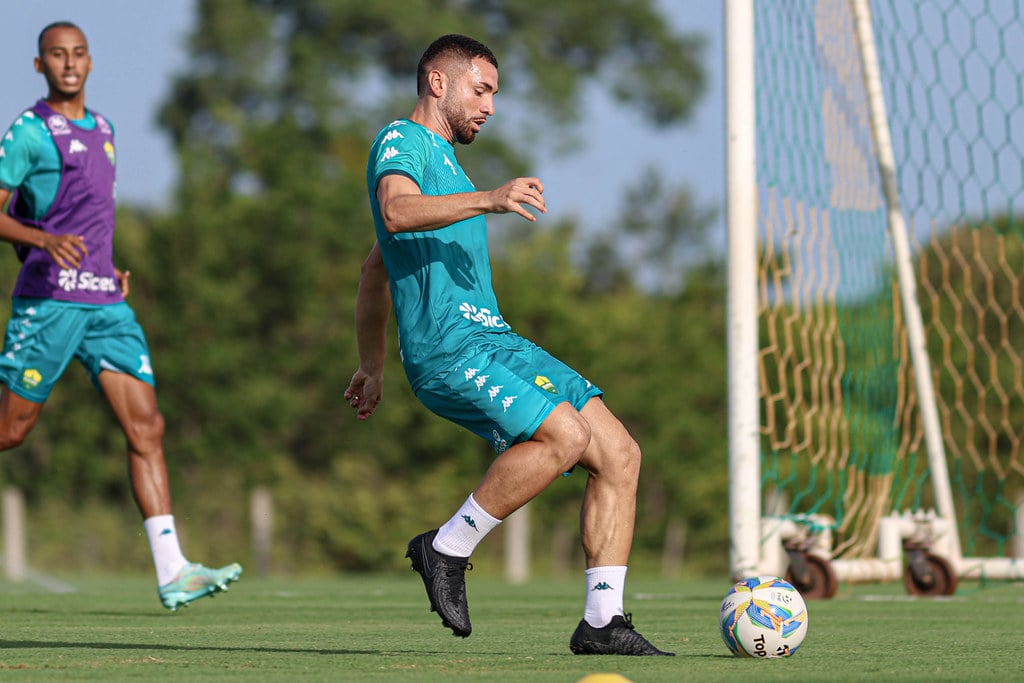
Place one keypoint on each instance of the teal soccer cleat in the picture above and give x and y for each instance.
(195, 581)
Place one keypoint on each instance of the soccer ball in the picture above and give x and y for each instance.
(763, 616)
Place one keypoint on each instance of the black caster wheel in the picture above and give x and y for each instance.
(928, 574)
(812, 575)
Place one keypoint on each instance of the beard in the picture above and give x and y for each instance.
(461, 125)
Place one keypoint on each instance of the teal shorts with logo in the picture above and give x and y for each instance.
(43, 335)
(503, 391)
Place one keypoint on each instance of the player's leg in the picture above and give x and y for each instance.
(612, 461)
(39, 342)
(607, 518)
(17, 418)
(133, 402)
(519, 474)
(116, 355)
(537, 435)
(135, 407)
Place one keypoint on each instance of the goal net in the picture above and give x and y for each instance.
(888, 183)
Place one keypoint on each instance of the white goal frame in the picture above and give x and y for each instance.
(756, 539)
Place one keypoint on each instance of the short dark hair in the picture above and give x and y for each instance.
(56, 24)
(454, 45)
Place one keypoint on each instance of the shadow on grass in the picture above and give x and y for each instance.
(58, 645)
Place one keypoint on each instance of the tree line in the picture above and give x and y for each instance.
(246, 288)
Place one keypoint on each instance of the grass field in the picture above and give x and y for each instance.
(378, 628)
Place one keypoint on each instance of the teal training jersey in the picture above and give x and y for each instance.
(30, 161)
(440, 279)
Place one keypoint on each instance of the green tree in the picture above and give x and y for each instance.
(247, 286)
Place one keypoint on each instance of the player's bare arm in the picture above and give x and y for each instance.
(373, 308)
(406, 209)
(66, 250)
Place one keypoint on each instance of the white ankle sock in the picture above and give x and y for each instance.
(605, 586)
(461, 534)
(163, 542)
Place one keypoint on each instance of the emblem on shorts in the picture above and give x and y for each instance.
(31, 378)
(545, 384)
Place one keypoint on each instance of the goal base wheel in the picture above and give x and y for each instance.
(812, 575)
(928, 574)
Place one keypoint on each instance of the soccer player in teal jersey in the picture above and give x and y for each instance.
(431, 264)
(57, 176)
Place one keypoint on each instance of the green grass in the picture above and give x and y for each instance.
(378, 628)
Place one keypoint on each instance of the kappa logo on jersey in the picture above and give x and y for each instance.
(71, 280)
(77, 147)
(449, 164)
(58, 125)
(389, 153)
(104, 127)
(480, 381)
(393, 135)
(482, 316)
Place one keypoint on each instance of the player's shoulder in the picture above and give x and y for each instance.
(403, 132)
(25, 136)
(28, 125)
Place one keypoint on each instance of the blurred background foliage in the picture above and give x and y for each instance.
(246, 288)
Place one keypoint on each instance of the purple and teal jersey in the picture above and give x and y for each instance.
(440, 279)
(62, 176)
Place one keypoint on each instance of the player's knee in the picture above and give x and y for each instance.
(146, 433)
(631, 458)
(13, 434)
(618, 459)
(14, 429)
(574, 441)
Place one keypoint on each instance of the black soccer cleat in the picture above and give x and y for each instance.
(619, 637)
(444, 577)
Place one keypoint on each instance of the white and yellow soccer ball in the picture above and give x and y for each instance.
(763, 616)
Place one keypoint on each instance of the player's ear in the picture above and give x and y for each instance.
(437, 81)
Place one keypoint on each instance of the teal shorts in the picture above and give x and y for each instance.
(502, 392)
(43, 336)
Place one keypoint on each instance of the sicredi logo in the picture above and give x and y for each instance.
(71, 280)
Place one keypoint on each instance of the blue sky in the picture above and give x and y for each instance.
(136, 46)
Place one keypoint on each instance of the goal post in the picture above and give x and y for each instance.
(875, 167)
(741, 292)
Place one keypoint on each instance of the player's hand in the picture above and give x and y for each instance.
(516, 194)
(66, 250)
(364, 393)
(122, 281)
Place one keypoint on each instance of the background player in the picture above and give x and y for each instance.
(57, 167)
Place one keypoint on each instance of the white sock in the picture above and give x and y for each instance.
(461, 534)
(605, 586)
(163, 542)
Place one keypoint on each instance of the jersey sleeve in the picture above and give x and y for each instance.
(20, 150)
(403, 150)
